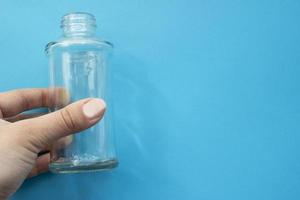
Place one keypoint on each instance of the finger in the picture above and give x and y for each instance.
(42, 131)
(60, 144)
(3, 122)
(41, 166)
(23, 116)
(17, 101)
(63, 142)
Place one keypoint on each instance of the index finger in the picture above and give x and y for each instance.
(17, 101)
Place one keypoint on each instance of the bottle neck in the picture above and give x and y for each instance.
(78, 25)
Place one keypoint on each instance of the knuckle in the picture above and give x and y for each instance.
(24, 101)
(68, 120)
(44, 98)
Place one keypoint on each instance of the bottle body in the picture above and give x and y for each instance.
(79, 68)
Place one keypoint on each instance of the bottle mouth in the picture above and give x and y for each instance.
(78, 24)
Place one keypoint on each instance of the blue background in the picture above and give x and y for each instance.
(206, 96)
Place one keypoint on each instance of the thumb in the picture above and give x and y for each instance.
(42, 131)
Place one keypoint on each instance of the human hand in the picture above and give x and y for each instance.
(23, 140)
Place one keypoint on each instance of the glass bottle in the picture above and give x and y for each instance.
(79, 69)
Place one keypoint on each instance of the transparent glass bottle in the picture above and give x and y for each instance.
(79, 67)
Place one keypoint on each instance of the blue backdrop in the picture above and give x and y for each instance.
(206, 96)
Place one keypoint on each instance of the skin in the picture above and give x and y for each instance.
(23, 137)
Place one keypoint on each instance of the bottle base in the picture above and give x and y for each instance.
(69, 167)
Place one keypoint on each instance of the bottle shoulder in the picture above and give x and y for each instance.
(75, 43)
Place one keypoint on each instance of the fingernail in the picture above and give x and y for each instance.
(93, 108)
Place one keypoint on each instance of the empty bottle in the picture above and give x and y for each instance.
(79, 68)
